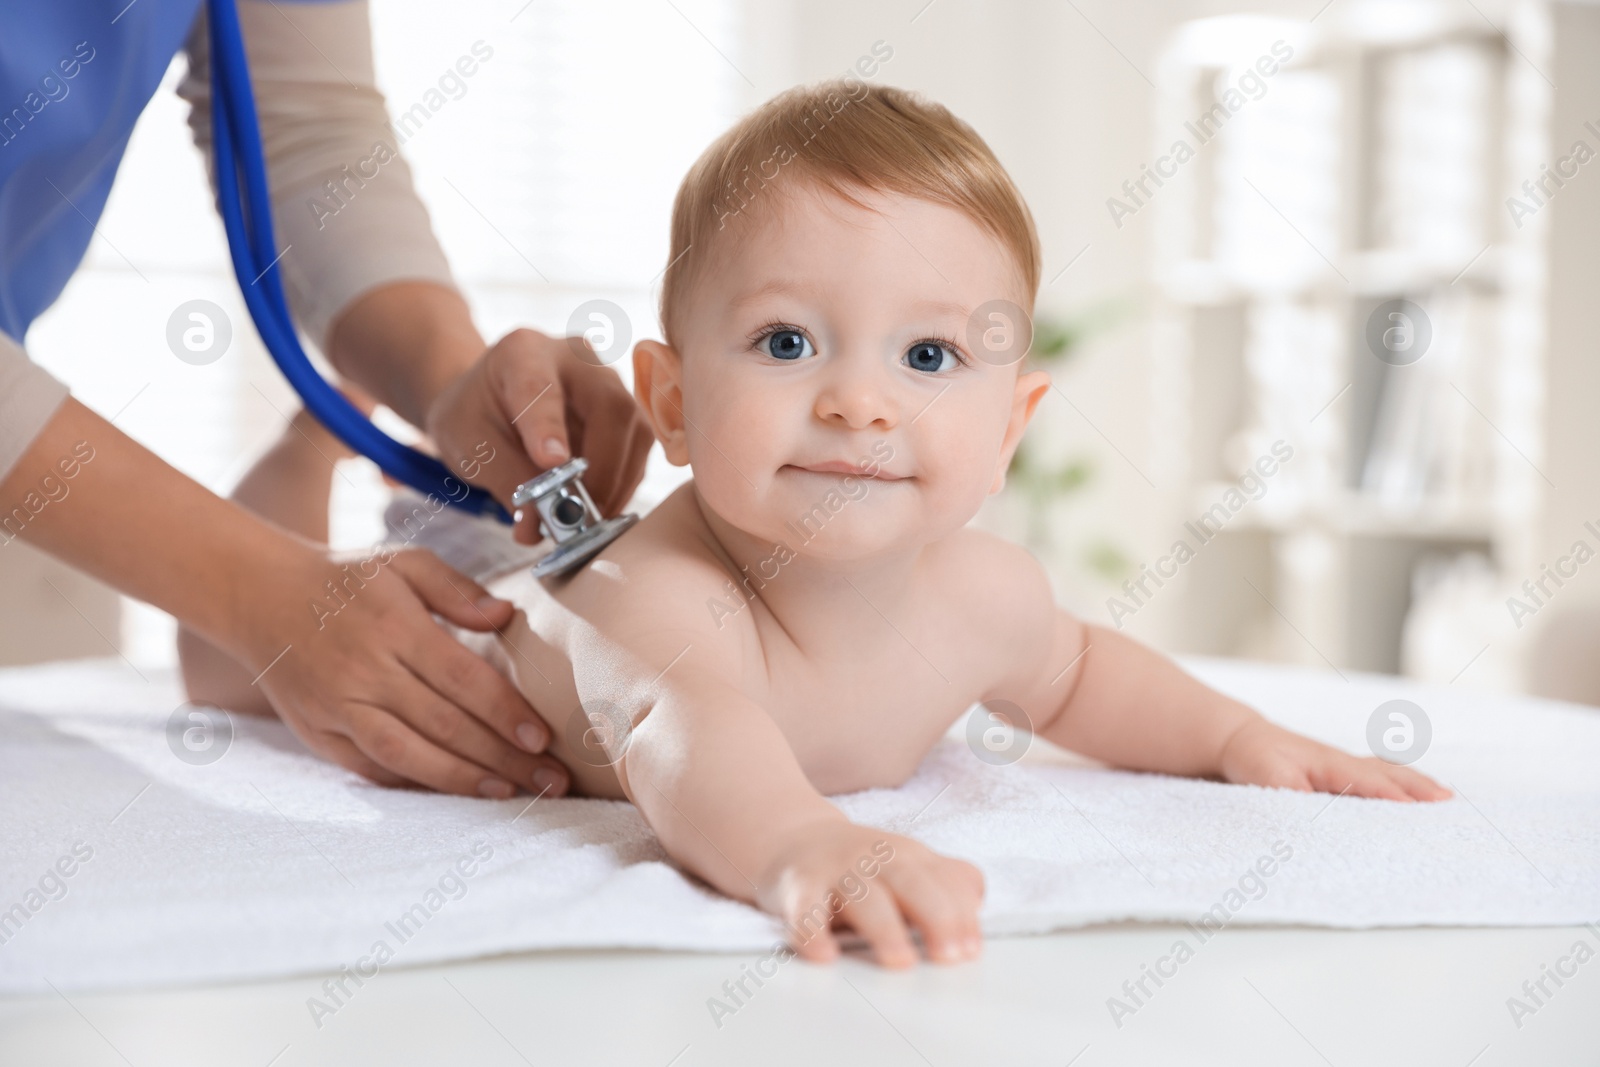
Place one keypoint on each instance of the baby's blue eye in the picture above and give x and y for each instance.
(929, 356)
(788, 344)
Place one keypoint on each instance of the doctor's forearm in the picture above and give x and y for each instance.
(404, 342)
(126, 517)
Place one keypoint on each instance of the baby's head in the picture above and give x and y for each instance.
(850, 285)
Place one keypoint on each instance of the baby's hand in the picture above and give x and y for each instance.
(875, 883)
(1263, 754)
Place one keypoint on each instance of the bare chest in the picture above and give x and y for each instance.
(864, 713)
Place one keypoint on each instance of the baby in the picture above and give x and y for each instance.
(845, 314)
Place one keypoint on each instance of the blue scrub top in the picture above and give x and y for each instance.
(74, 77)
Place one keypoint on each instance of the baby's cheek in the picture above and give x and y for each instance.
(726, 440)
(718, 471)
(961, 482)
(724, 463)
(730, 412)
(958, 498)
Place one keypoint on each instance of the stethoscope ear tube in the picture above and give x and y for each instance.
(245, 205)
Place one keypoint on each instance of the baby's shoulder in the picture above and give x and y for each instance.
(660, 577)
(986, 564)
(996, 587)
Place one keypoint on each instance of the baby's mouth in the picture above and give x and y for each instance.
(837, 469)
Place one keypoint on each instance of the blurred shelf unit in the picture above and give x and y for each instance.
(1336, 167)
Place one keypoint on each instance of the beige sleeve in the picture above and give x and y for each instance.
(29, 398)
(347, 216)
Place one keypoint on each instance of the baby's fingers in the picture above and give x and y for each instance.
(809, 920)
(876, 917)
(1361, 778)
(1283, 774)
(1419, 785)
(944, 909)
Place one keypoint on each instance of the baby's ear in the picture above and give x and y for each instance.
(658, 387)
(1031, 388)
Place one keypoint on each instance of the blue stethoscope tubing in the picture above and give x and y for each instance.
(246, 209)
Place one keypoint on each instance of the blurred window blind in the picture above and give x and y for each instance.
(1434, 163)
(1279, 159)
(570, 141)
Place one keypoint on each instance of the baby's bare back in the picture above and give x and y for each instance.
(860, 710)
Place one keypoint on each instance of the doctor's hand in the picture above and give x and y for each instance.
(531, 403)
(368, 679)
(381, 688)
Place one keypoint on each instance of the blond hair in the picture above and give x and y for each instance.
(844, 136)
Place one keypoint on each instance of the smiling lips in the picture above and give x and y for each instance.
(839, 467)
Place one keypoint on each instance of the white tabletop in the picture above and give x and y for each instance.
(1248, 996)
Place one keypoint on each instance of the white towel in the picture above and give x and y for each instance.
(271, 862)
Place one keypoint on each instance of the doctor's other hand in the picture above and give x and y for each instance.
(532, 402)
(379, 687)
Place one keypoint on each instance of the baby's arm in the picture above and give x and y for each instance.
(718, 782)
(1130, 706)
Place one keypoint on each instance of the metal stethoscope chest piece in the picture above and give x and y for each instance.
(568, 517)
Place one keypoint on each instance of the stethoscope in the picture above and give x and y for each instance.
(567, 514)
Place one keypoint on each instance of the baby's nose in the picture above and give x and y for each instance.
(859, 396)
